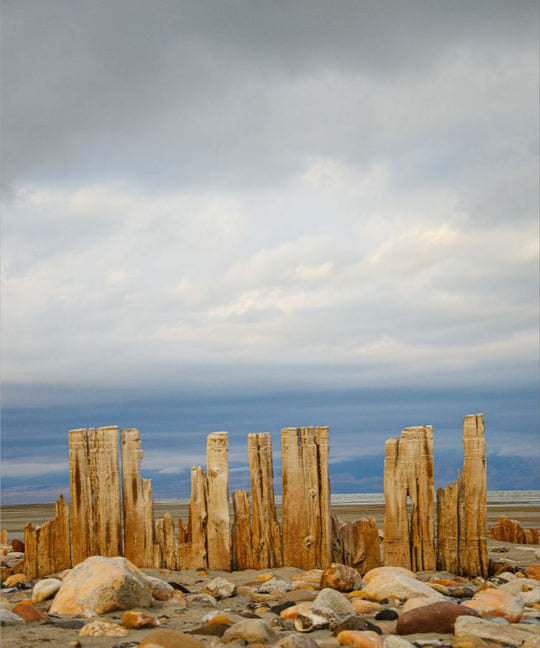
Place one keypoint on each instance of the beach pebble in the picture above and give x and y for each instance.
(362, 606)
(527, 589)
(378, 571)
(360, 639)
(400, 586)
(340, 577)
(312, 576)
(45, 588)
(132, 619)
(334, 600)
(314, 620)
(386, 615)
(252, 631)
(438, 617)
(274, 585)
(356, 623)
(220, 588)
(29, 612)
(496, 602)
(292, 611)
(17, 545)
(15, 579)
(201, 599)
(8, 618)
(99, 585)
(102, 629)
(296, 596)
(490, 631)
(533, 571)
(161, 590)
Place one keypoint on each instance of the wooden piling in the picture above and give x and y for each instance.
(105, 481)
(306, 517)
(218, 520)
(80, 486)
(266, 534)
(242, 546)
(138, 503)
(461, 509)
(409, 471)
(196, 556)
(473, 543)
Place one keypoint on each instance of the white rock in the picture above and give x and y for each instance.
(401, 586)
(484, 629)
(527, 588)
(252, 631)
(274, 585)
(45, 588)
(220, 588)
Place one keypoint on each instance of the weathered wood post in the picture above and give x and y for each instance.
(196, 553)
(242, 547)
(306, 497)
(408, 470)
(461, 509)
(218, 526)
(138, 503)
(80, 486)
(356, 544)
(266, 534)
(47, 548)
(105, 481)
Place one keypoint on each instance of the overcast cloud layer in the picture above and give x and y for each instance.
(266, 195)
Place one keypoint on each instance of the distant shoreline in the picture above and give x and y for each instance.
(525, 508)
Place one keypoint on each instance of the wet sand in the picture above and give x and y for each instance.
(14, 518)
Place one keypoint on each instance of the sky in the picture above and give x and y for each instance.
(246, 215)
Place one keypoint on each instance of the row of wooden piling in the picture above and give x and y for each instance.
(112, 511)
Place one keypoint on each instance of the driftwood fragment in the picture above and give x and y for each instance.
(138, 503)
(266, 534)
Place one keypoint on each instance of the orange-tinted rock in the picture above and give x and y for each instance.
(99, 585)
(437, 617)
(15, 579)
(17, 545)
(359, 639)
(339, 577)
(171, 639)
(134, 619)
(29, 612)
(362, 606)
(533, 571)
(102, 629)
(496, 602)
(372, 573)
(294, 610)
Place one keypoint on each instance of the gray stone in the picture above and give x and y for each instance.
(334, 600)
(296, 641)
(252, 631)
(8, 618)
